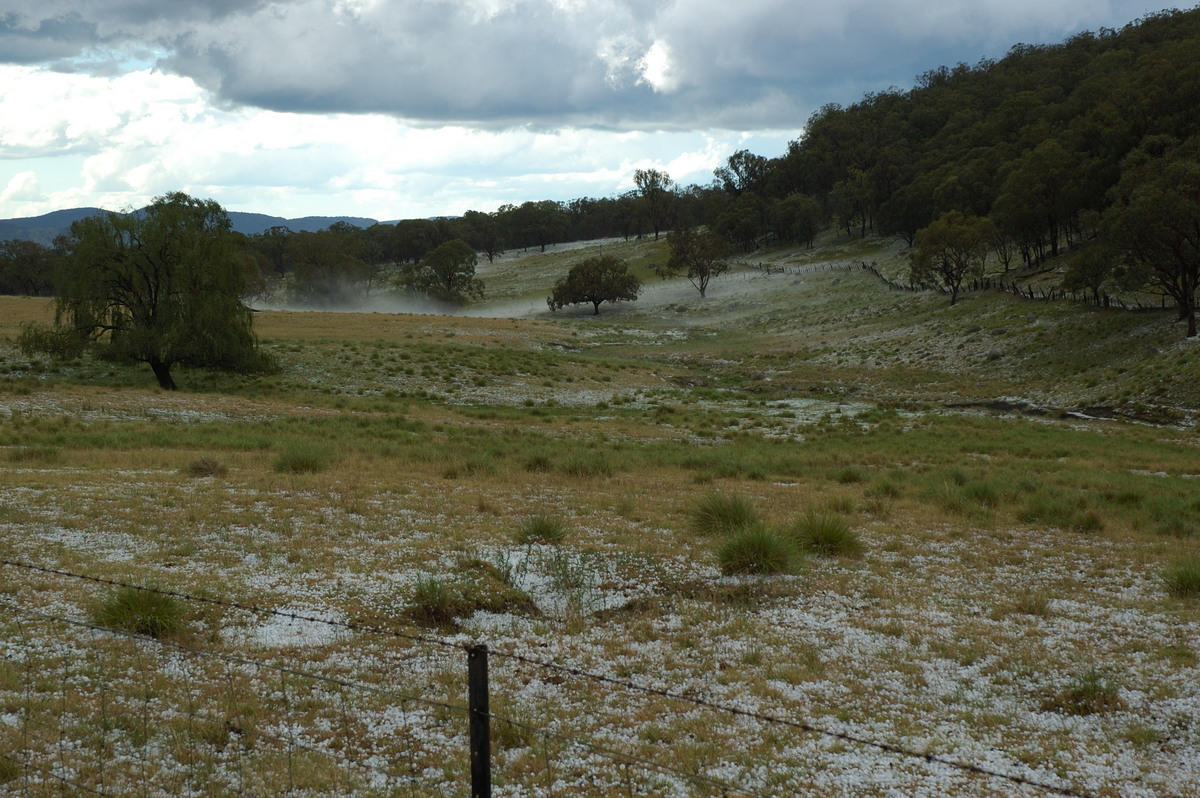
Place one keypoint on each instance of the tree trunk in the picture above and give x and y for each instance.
(162, 372)
(596, 312)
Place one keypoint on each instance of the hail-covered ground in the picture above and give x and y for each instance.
(1005, 628)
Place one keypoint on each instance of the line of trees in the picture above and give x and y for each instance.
(1084, 146)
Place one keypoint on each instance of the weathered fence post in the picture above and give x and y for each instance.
(480, 721)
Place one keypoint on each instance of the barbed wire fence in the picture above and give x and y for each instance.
(91, 710)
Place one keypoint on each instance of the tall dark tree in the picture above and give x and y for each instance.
(743, 171)
(658, 192)
(447, 273)
(327, 270)
(798, 218)
(699, 254)
(1154, 221)
(27, 268)
(163, 286)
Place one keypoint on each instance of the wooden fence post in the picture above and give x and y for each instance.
(480, 722)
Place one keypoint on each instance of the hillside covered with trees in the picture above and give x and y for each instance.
(1089, 147)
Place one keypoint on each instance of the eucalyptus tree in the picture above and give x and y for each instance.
(1154, 221)
(599, 279)
(698, 253)
(658, 192)
(950, 250)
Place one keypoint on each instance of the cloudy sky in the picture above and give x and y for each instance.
(406, 108)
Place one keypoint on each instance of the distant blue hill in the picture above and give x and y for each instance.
(43, 229)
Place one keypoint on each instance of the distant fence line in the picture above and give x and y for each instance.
(1002, 285)
(43, 752)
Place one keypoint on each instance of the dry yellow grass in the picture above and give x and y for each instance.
(984, 590)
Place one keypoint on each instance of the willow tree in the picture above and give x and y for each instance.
(163, 286)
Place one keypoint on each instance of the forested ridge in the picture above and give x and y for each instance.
(1089, 146)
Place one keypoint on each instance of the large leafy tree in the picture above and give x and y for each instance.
(699, 254)
(604, 278)
(950, 250)
(1154, 221)
(163, 286)
(447, 273)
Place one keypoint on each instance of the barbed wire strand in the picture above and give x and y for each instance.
(773, 719)
(800, 725)
(49, 772)
(230, 659)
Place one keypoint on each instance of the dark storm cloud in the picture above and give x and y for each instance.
(603, 63)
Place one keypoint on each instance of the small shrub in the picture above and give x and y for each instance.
(885, 489)
(303, 458)
(983, 494)
(433, 603)
(826, 534)
(585, 465)
(1182, 577)
(206, 467)
(1090, 694)
(142, 612)
(721, 513)
(757, 549)
(850, 476)
(539, 464)
(542, 528)
(1176, 527)
(1053, 511)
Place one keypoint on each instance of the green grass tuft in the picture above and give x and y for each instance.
(826, 534)
(143, 612)
(721, 513)
(757, 549)
(1089, 694)
(1182, 577)
(542, 528)
(303, 458)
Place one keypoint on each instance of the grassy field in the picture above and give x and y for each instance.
(1016, 480)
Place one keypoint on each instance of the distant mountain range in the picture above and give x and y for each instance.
(43, 229)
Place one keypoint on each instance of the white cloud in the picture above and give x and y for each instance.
(657, 69)
(119, 142)
(388, 108)
(22, 187)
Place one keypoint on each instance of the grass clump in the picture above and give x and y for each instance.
(434, 603)
(722, 513)
(826, 534)
(1089, 694)
(1182, 577)
(757, 549)
(140, 611)
(542, 528)
(303, 458)
(474, 585)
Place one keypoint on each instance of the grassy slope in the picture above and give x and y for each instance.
(1008, 557)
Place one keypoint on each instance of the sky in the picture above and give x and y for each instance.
(393, 109)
